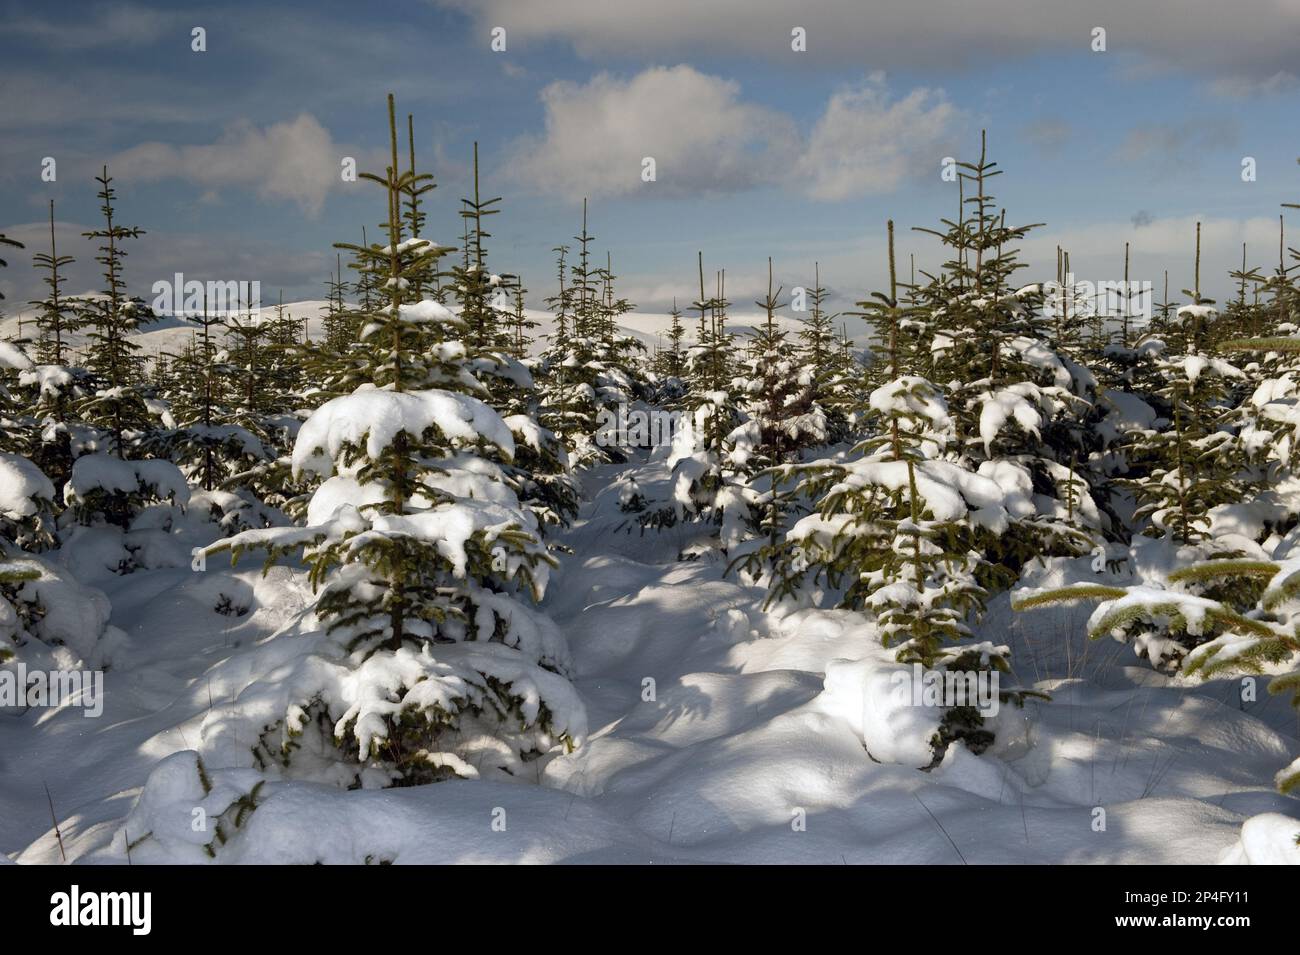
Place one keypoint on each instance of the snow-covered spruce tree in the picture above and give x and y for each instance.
(16, 426)
(13, 430)
(619, 353)
(423, 277)
(520, 325)
(1019, 406)
(1127, 367)
(783, 414)
(831, 365)
(568, 405)
(1214, 617)
(432, 664)
(780, 418)
(260, 371)
(13, 244)
(200, 435)
(1016, 405)
(26, 505)
(56, 317)
(1281, 285)
(56, 386)
(338, 330)
(1186, 464)
(670, 362)
(1253, 456)
(208, 432)
(286, 343)
(710, 481)
(120, 504)
(117, 406)
(1186, 468)
(539, 471)
(564, 400)
(585, 372)
(742, 415)
(47, 619)
(1213, 578)
(481, 295)
(483, 303)
(902, 527)
(338, 363)
(1244, 316)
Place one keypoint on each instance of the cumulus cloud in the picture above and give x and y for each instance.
(865, 144)
(701, 136)
(704, 138)
(1248, 37)
(296, 160)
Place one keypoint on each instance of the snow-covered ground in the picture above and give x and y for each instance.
(760, 738)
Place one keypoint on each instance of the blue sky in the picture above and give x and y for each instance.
(230, 158)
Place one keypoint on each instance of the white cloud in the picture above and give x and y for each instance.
(296, 160)
(701, 136)
(864, 144)
(705, 139)
(1248, 37)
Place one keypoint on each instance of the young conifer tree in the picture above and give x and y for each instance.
(117, 406)
(10, 243)
(14, 431)
(584, 377)
(822, 354)
(1209, 617)
(1019, 405)
(338, 330)
(1186, 468)
(902, 525)
(481, 295)
(710, 479)
(47, 619)
(213, 434)
(781, 418)
(672, 360)
(56, 384)
(56, 317)
(432, 663)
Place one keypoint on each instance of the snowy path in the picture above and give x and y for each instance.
(740, 745)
